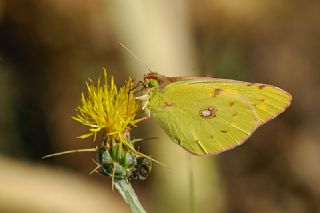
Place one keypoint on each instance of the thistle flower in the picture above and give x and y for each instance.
(112, 112)
(108, 109)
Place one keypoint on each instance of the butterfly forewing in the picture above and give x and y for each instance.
(268, 101)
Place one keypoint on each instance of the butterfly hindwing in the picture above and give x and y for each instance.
(208, 116)
(201, 119)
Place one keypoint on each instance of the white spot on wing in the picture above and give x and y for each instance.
(208, 112)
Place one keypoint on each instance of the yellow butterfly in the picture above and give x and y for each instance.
(206, 115)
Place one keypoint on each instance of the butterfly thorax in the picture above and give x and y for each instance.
(152, 94)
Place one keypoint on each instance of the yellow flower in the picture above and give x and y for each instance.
(108, 109)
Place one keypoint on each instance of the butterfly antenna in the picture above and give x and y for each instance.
(136, 57)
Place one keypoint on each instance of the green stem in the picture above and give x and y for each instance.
(191, 186)
(126, 191)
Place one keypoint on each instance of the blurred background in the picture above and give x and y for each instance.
(49, 48)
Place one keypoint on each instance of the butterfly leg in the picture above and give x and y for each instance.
(141, 119)
(145, 105)
(145, 101)
(144, 108)
(143, 97)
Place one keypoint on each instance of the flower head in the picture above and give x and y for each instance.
(108, 109)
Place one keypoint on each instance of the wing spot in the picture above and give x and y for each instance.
(231, 103)
(209, 112)
(250, 84)
(234, 114)
(217, 91)
(167, 105)
(261, 86)
(223, 131)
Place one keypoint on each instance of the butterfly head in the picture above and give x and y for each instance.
(153, 79)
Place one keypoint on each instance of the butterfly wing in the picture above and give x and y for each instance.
(267, 100)
(208, 116)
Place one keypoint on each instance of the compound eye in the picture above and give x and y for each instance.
(152, 83)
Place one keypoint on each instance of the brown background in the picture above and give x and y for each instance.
(49, 48)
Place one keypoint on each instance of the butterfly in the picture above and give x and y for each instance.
(207, 116)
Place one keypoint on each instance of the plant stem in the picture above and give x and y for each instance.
(191, 186)
(126, 191)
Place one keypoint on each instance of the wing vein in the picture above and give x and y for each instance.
(235, 126)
